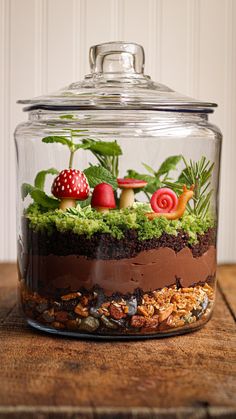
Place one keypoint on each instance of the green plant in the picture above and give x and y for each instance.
(155, 178)
(69, 142)
(197, 173)
(98, 174)
(107, 154)
(36, 191)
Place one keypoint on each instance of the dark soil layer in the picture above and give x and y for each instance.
(104, 246)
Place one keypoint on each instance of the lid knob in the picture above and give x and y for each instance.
(117, 57)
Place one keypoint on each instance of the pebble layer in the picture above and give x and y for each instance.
(138, 314)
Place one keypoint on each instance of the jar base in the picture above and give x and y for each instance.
(173, 332)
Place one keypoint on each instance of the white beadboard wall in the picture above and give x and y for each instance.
(189, 44)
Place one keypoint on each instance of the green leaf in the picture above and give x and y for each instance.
(26, 188)
(201, 204)
(103, 148)
(84, 203)
(38, 196)
(169, 164)
(149, 169)
(176, 186)
(153, 182)
(98, 174)
(80, 145)
(184, 178)
(57, 139)
(44, 200)
(198, 173)
(153, 186)
(39, 181)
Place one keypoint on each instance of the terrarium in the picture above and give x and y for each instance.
(117, 204)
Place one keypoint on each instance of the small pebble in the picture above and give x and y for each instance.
(119, 323)
(200, 311)
(100, 298)
(116, 312)
(89, 324)
(108, 323)
(81, 311)
(61, 316)
(73, 324)
(94, 312)
(205, 302)
(132, 306)
(70, 296)
(68, 305)
(48, 316)
(41, 307)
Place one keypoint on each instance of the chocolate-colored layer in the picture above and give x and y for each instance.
(149, 270)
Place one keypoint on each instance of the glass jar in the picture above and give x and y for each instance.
(117, 204)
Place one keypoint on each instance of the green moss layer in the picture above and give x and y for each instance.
(87, 221)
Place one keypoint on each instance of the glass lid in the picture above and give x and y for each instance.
(117, 81)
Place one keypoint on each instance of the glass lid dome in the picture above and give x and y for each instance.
(117, 81)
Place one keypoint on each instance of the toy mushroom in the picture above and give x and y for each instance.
(103, 197)
(127, 195)
(70, 185)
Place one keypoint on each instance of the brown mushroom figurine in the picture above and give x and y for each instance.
(69, 186)
(127, 185)
(103, 197)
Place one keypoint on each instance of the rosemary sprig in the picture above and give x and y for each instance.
(198, 173)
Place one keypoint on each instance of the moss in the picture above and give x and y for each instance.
(87, 221)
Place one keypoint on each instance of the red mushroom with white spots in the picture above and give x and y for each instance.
(103, 197)
(127, 186)
(69, 186)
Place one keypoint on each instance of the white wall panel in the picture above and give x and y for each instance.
(190, 45)
(40, 49)
(97, 27)
(176, 45)
(137, 15)
(4, 121)
(59, 46)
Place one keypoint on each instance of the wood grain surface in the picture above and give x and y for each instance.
(190, 376)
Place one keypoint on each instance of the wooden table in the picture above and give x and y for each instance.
(191, 376)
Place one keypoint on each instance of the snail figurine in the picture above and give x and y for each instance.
(165, 203)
